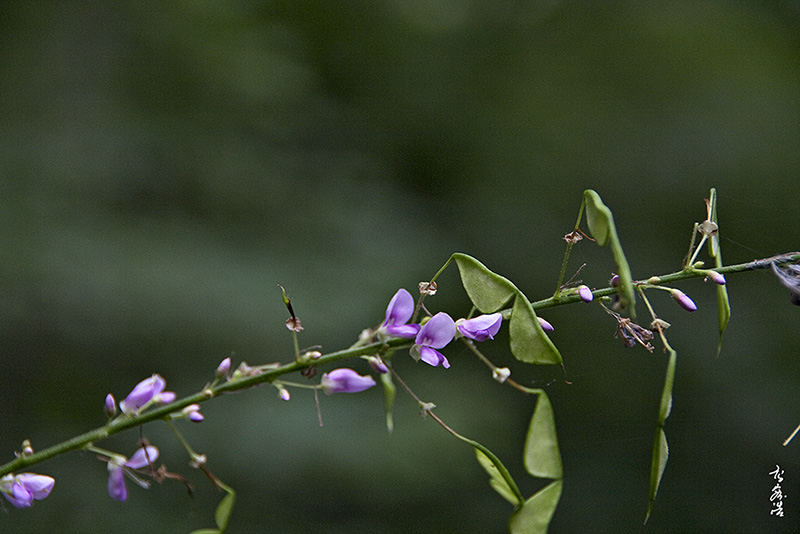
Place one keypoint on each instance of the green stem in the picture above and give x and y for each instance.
(126, 422)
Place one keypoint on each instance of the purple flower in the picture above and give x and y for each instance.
(118, 466)
(398, 313)
(480, 328)
(147, 391)
(585, 293)
(683, 300)
(435, 334)
(21, 490)
(345, 381)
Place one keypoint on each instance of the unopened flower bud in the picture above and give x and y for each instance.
(614, 281)
(111, 405)
(283, 393)
(715, 277)
(683, 300)
(377, 364)
(27, 448)
(546, 326)
(223, 368)
(585, 293)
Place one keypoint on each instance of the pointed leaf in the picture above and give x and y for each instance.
(604, 232)
(660, 448)
(723, 303)
(496, 479)
(488, 291)
(535, 515)
(223, 514)
(529, 343)
(542, 457)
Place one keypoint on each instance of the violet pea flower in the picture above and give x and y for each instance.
(435, 334)
(147, 391)
(21, 490)
(480, 328)
(398, 313)
(117, 466)
(345, 380)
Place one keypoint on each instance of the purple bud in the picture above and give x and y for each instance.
(223, 368)
(283, 393)
(345, 381)
(480, 328)
(716, 277)
(192, 412)
(614, 281)
(585, 293)
(21, 490)
(683, 300)
(546, 326)
(111, 405)
(377, 364)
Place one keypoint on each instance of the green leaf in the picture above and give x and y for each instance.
(223, 514)
(535, 515)
(389, 391)
(205, 531)
(496, 479)
(529, 343)
(604, 232)
(542, 457)
(723, 303)
(488, 291)
(660, 448)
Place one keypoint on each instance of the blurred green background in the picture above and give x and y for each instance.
(163, 165)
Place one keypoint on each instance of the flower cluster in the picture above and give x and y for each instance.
(21, 490)
(437, 332)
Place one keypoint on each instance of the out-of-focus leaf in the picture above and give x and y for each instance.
(389, 391)
(223, 514)
(205, 531)
(542, 457)
(601, 226)
(723, 303)
(496, 479)
(488, 291)
(660, 448)
(529, 343)
(535, 515)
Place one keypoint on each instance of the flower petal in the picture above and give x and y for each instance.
(142, 393)
(482, 327)
(116, 482)
(432, 356)
(400, 308)
(437, 332)
(408, 331)
(140, 457)
(345, 381)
